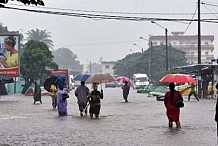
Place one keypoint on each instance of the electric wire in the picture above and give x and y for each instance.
(210, 4)
(42, 7)
(108, 43)
(114, 17)
(191, 20)
(209, 10)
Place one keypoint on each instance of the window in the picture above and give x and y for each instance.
(192, 53)
(206, 43)
(174, 43)
(206, 53)
(107, 66)
(154, 43)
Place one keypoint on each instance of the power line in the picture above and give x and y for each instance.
(210, 4)
(191, 20)
(209, 10)
(109, 12)
(109, 43)
(113, 17)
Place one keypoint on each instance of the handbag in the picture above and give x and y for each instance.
(65, 96)
(179, 102)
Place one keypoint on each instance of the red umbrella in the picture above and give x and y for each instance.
(178, 78)
(123, 79)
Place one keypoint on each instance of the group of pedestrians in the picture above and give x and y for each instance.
(59, 95)
(86, 98)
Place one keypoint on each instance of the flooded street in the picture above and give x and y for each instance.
(140, 122)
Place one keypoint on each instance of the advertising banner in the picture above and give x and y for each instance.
(9, 54)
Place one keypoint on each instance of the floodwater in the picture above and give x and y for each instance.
(140, 122)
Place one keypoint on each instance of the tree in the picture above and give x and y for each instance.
(139, 62)
(35, 57)
(40, 35)
(65, 58)
(28, 2)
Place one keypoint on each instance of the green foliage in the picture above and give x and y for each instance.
(26, 2)
(34, 59)
(139, 63)
(128, 65)
(65, 58)
(40, 35)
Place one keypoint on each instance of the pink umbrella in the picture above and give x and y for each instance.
(123, 79)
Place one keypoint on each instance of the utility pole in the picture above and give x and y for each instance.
(150, 65)
(166, 31)
(166, 37)
(139, 47)
(151, 60)
(199, 50)
(90, 67)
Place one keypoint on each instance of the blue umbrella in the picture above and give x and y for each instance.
(81, 77)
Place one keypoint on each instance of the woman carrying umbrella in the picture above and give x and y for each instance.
(95, 102)
(173, 111)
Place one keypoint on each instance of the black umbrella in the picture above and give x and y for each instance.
(6, 79)
(49, 82)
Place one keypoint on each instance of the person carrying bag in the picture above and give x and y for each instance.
(173, 101)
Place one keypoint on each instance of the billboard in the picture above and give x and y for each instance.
(9, 54)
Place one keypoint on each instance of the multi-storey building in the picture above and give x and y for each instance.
(189, 44)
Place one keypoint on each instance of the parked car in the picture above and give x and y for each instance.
(159, 91)
(110, 85)
(30, 91)
(147, 89)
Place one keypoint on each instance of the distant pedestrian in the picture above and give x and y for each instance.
(126, 89)
(37, 93)
(192, 92)
(62, 96)
(54, 90)
(82, 97)
(95, 101)
(173, 111)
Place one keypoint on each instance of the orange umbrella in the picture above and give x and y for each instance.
(100, 78)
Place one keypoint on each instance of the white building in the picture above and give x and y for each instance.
(107, 67)
(189, 44)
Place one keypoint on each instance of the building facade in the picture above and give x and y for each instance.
(188, 44)
(107, 67)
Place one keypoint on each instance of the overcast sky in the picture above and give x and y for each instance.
(91, 39)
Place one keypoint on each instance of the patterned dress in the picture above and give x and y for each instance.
(62, 103)
(95, 102)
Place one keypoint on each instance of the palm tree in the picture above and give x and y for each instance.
(40, 35)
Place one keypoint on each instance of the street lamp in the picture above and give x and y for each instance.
(150, 65)
(166, 31)
(139, 47)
